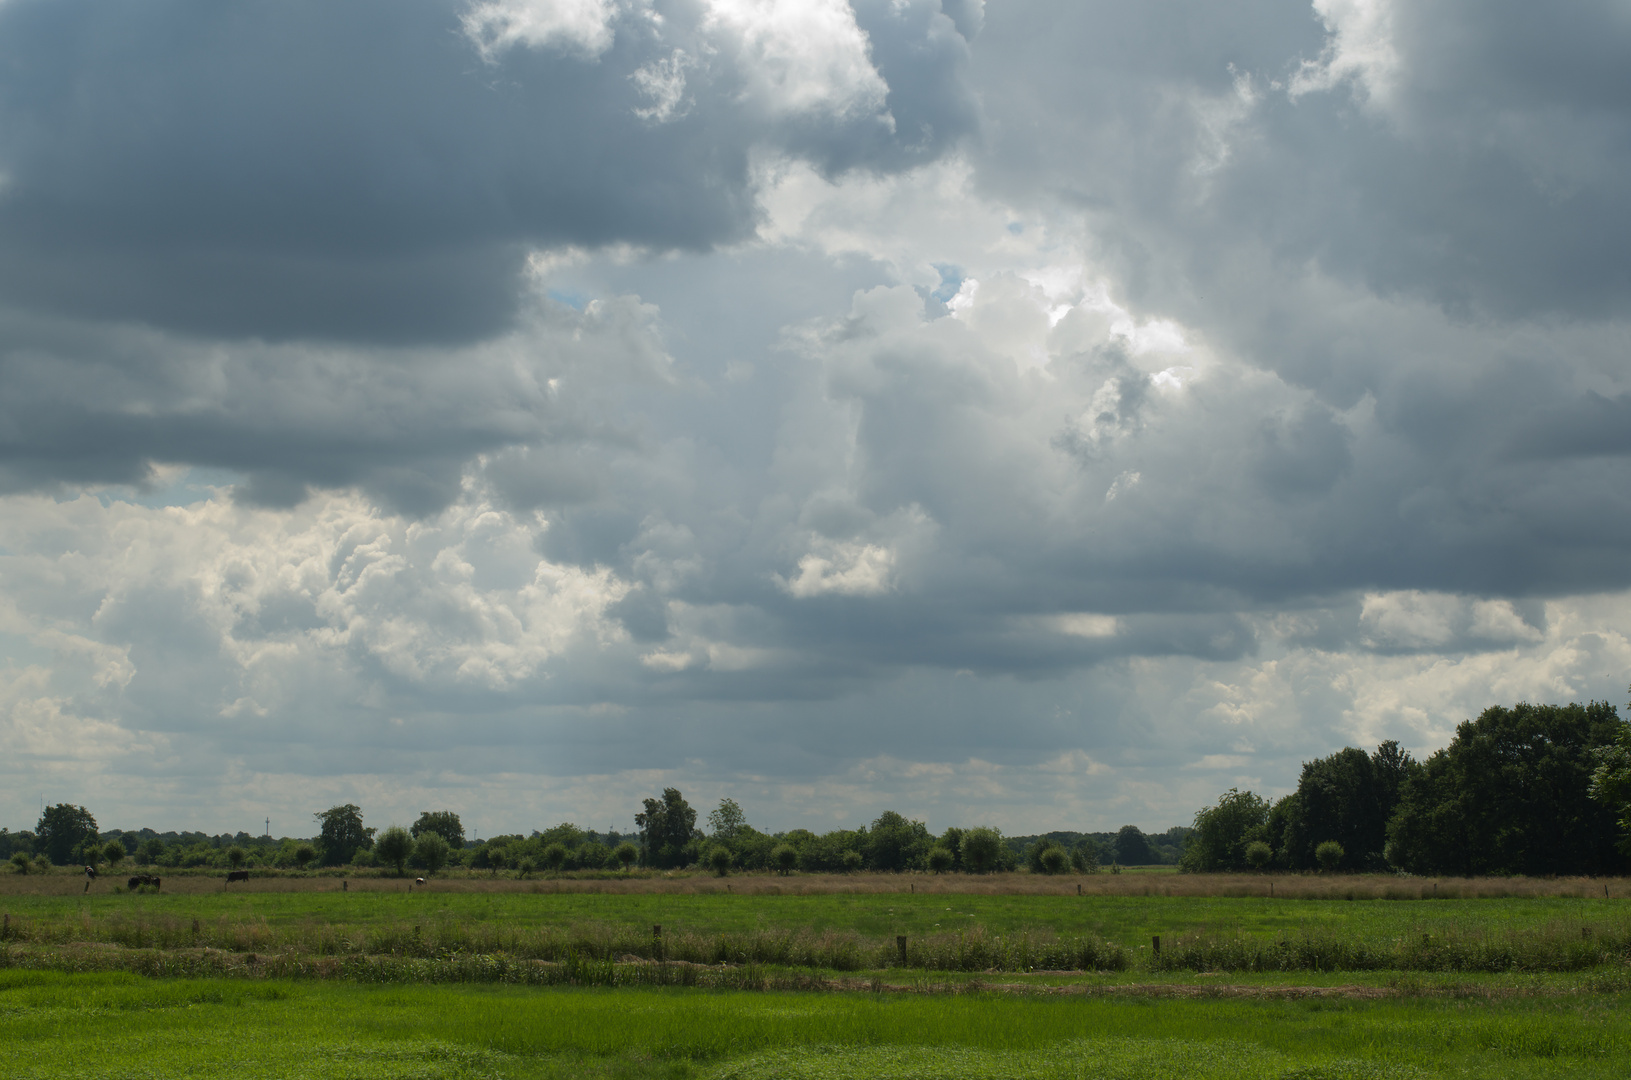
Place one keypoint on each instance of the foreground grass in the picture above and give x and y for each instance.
(119, 1026)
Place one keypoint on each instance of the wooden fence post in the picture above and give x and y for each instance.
(1155, 943)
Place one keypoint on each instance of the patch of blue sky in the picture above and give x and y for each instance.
(951, 280)
(180, 488)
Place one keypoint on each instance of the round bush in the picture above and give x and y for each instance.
(1329, 855)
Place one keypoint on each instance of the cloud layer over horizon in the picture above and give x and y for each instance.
(1038, 413)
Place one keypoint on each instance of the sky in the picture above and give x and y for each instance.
(1037, 413)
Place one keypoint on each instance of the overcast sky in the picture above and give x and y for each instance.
(1042, 413)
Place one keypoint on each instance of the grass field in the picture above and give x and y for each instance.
(484, 978)
(846, 931)
(92, 1026)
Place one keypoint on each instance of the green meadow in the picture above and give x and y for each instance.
(118, 1025)
(852, 932)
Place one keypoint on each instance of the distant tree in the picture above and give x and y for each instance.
(1611, 782)
(1084, 857)
(667, 828)
(941, 859)
(851, 861)
(444, 823)
(235, 856)
(894, 843)
(149, 851)
(431, 851)
(952, 841)
(1258, 854)
(784, 859)
(1329, 854)
(113, 852)
(303, 855)
(554, 857)
(63, 828)
(342, 834)
(1220, 837)
(525, 867)
(726, 821)
(719, 859)
(1348, 797)
(1511, 794)
(982, 850)
(1055, 860)
(625, 854)
(394, 847)
(20, 861)
(1132, 847)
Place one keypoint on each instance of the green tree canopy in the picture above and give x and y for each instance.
(667, 827)
(342, 834)
(1348, 797)
(394, 846)
(894, 843)
(430, 851)
(982, 850)
(444, 823)
(1132, 847)
(1611, 782)
(1221, 832)
(1511, 794)
(726, 821)
(61, 831)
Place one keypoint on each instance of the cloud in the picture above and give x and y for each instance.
(994, 413)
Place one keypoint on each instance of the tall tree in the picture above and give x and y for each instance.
(1511, 794)
(342, 834)
(61, 830)
(1347, 797)
(667, 827)
(1611, 782)
(894, 843)
(1223, 831)
(726, 821)
(444, 823)
(1133, 847)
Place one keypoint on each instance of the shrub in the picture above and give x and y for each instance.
(236, 856)
(1258, 854)
(303, 855)
(1329, 854)
(625, 854)
(785, 857)
(114, 853)
(19, 862)
(941, 859)
(527, 867)
(850, 861)
(1054, 860)
(554, 857)
(719, 859)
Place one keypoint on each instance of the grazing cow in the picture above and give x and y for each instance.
(419, 881)
(237, 875)
(142, 879)
(90, 873)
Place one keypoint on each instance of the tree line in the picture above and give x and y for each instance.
(667, 836)
(1531, 789)
(1534, 790)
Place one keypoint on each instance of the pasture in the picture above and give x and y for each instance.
(118, 1026)
(802, 977)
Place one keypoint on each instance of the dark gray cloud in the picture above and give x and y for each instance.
(366, 172)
